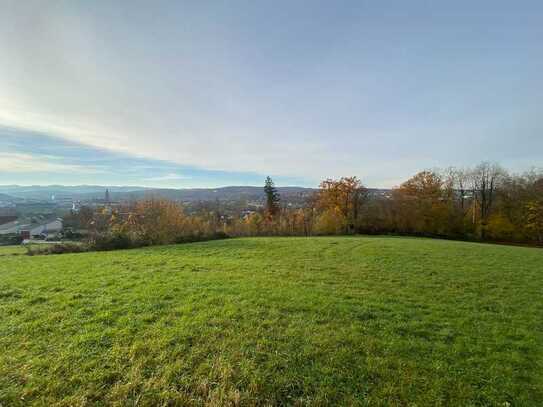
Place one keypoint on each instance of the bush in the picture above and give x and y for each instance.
(10, 239)
(56, 249)
(114, 241)
(121, 240)
(70, 234)
(201, 238)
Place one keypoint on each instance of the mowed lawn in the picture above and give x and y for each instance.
(275, 321)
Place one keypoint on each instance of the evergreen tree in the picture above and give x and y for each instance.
(272, 197)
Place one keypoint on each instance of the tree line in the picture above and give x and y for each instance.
(485, 203)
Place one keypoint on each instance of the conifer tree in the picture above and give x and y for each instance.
(272, 197)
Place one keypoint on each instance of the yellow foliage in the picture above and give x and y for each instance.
(331, 221)
(500, 228)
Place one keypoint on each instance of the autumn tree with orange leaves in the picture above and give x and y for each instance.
(339, 203)
(420, 204)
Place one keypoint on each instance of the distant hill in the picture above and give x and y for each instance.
(122, 193)
(39, 192)
(60, 192)
(6, 197)
(250, 193)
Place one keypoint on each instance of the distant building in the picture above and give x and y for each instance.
(27, 228)
(50, 228)
(9, 228)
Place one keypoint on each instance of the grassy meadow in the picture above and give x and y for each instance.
(275, 321)
(12, 250)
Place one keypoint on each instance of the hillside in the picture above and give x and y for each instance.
(291, 194)
(85, 192)
(339, 321)
(6, 197)
(44, 193)
(230, 193)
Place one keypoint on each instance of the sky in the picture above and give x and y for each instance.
(213, 93)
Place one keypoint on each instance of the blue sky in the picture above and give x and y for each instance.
(185, 94)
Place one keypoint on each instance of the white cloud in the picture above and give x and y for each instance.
(26, 163)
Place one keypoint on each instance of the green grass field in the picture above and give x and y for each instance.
(275, 321)
(20, 249)
(11, 250)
